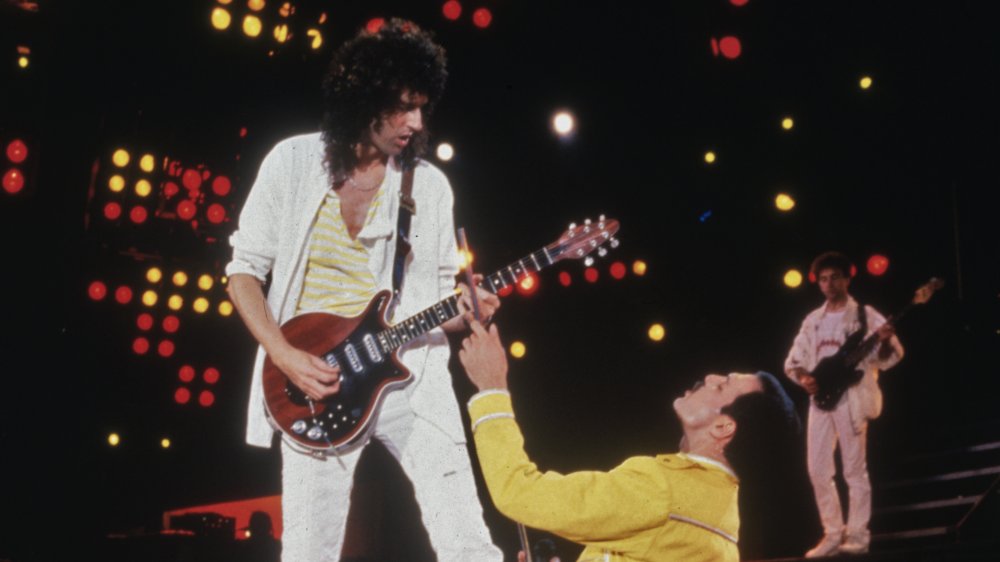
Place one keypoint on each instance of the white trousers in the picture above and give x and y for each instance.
(316, 492)
(826, 431)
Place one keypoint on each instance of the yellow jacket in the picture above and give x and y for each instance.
(668, 507)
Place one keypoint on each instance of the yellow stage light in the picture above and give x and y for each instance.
(147, 163)
(143, 188)
(180, 279)
(787, 123)
(252, 25)
(563, 123)
(221, 19)
(165, 443)
(255, 5)
(317, 38)
(709, 157)
(639, 268)
(23, 62)
(281, 32)
(116, 183)
(784, 202)
(657, 332)
(793, 278)
(517, 350)
(175, 302)
(445, 152)
(225, 2)
(226, 308)
(866, 82)
(154, 275)
(465, 258)
(200, 305)
(149, 298)
(286, 10)
(114, 439)
(120, 158)
(205, 282)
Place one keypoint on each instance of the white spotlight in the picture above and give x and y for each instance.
(563, 123)
(445, 152)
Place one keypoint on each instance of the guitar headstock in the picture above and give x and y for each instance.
(579, 241)
(926, 291)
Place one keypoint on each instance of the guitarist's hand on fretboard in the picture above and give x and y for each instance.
(885, 333)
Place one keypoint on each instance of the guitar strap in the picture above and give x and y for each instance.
(863, 318)
(407, 208)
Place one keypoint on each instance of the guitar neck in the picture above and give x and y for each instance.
(869, 343)
(443, 311)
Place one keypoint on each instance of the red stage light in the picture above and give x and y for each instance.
(138, 215)
(591, 275)
(375, 24)
(97, 291)
(140, 346)
(191, 180)
(738, 3)
(211, 375)
(715, 46)
(13, 181)
(216, 213)
(186, 210)
(452, 9)
(171, 324)
(186, 373)
(221, 186)
(564, 279)
(482, 18)
(618, 270)
(17, 151)
(505, 291)
(730, 47)
(206, 398)
(243, 132)
(112, 211)
(182, 396)
(144, 321)
(123, 295)
(528, 284)
(166, 348)
(170, 189)
(878, 264)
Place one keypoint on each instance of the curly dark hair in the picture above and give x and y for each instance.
(765, 423)
(365, 80)
(831, 260)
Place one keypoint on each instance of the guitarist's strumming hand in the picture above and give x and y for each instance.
(484, 358)
(805, 379)
(308, 372)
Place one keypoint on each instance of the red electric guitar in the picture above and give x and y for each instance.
(365, 348)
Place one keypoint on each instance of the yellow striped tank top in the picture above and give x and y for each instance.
(337, 278)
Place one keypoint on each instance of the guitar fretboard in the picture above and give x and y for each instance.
(437, 314)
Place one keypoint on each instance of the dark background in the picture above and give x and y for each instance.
(906, 169)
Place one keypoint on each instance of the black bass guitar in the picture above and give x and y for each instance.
(838, 372)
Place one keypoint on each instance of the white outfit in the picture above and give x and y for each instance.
(421, 424)
(821, 335)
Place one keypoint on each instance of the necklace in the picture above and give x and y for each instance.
(350, 180)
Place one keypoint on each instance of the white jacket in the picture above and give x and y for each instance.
(272, 237)
(865, 398)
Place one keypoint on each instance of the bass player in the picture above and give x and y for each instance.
(822, 334)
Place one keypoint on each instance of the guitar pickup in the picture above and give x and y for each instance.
(371, 348)
(353, 359)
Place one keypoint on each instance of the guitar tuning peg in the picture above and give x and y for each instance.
(601, 218)
(586, 221)
(602, 251)
(614, 243)
(572, 225)
(588, 261)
